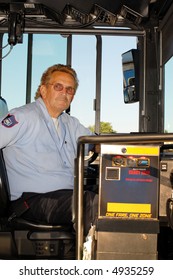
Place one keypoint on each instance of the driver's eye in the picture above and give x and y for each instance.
(58, 87)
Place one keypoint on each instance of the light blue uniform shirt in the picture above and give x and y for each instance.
(37, 158)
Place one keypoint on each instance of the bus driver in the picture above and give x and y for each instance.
(39, 142)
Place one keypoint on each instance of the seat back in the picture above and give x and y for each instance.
(4, 187)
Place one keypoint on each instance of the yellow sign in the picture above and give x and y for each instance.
(128, 207)
(142, 150)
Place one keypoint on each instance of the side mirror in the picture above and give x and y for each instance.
(130, 65)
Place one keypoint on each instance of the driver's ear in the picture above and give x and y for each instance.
(43, 91)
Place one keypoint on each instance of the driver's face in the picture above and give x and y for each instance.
(58, 93)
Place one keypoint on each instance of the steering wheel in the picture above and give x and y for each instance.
(91, 158)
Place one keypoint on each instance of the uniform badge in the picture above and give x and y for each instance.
(9, 121)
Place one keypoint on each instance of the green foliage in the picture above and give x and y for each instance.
(105, 127)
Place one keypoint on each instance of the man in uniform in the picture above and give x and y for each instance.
(39, 142)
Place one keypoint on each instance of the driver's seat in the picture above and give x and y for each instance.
(20, 238)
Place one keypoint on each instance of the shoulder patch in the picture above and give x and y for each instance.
(9, 121)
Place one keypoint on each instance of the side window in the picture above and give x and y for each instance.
(84, 62)
(168, 115)
(47, 50)
(14, 73)
(123, 117)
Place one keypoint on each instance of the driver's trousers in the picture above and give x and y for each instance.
(55, 207)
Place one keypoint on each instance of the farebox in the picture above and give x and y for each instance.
(128, 202)
(129, 181)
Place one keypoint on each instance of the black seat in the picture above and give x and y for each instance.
(22, 238)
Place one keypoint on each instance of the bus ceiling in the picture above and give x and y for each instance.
(79, 17)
